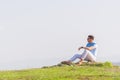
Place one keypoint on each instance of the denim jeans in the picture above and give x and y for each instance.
(86, 55)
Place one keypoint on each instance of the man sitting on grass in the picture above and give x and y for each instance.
(89, 53)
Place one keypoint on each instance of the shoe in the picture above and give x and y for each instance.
(66, 62)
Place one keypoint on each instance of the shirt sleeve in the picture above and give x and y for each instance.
(95, 46)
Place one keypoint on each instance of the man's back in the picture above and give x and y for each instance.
(93, 51)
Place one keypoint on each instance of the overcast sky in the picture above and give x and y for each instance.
(34, 33)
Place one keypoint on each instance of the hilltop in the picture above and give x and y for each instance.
(96, 71)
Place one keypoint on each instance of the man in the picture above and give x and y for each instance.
(89, 54)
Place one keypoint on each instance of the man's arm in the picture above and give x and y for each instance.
(90, 48)
(80, 48)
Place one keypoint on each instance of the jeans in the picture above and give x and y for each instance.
(86, 55)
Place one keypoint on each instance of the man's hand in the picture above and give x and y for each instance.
(80, 48)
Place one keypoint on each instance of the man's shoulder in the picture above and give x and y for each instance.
(95, 44)
(92, 44)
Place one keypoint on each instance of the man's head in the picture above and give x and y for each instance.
(90, 38)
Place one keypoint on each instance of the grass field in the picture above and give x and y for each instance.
(103, 71)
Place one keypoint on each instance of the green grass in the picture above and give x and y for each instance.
(100, 71)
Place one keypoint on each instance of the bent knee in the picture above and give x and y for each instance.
(86, 51)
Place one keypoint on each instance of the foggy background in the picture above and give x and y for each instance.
(35, 33)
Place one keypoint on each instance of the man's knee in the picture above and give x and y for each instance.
(86, 51)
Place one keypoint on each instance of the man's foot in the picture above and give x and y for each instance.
(66, 62)
(80, 63)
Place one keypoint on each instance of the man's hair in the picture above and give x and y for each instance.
(91, 37)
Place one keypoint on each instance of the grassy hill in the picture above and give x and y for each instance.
(97, 71)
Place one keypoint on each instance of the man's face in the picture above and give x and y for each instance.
(89, 39)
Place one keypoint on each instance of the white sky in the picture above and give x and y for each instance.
(35, 33)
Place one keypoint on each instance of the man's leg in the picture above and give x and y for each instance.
(76, 56)
(87, 55)
(90, 58)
